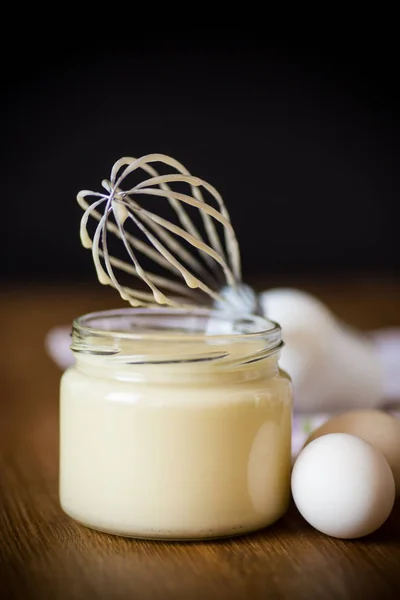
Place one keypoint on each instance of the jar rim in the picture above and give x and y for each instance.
(252, 325)
(103, 332)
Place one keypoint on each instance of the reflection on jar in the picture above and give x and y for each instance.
(270, 454)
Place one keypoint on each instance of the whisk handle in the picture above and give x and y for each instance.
(242, 298)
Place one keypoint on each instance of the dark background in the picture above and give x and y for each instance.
(307, 137)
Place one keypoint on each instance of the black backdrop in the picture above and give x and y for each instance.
(308, 139)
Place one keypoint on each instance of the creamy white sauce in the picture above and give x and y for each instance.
(175, 451)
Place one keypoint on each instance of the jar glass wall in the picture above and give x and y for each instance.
(175, 424)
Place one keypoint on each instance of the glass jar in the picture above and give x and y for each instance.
(175, 424)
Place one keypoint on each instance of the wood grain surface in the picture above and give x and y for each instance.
(44, 554)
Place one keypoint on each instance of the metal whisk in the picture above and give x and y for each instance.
(198, 268)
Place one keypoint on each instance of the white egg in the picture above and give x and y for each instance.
(343, 486)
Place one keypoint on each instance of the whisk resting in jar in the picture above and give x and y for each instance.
(198, 267)
(200, 264)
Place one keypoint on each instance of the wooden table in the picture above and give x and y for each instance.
(44, 554)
